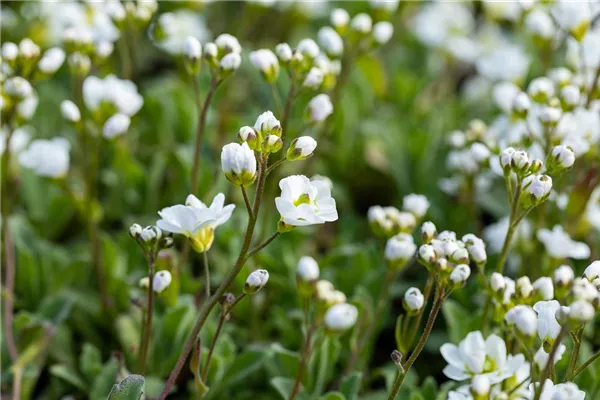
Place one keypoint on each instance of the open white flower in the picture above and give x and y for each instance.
(340, 317)
(524, 318)
(541, 356)
(562, 391)
(305, 202)
(574, 17)
(119, 93)
(559, 244)
(476, 356)
(48, 158)
(196, 221)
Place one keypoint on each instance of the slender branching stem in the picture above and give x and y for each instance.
(550, 363)
(262, 245)
(247, 202)
(147, 329)
(417, 322)
(304, 357)
(206, 274)
(575, 354)
(585, 364)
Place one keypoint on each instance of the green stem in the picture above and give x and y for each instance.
(262, 245)
(585, 364)
(247, 202)
(303, 360)
(575, 355)
(206, 274)
(148, 320)
(214, 299)
(417, 322)
(550, 364)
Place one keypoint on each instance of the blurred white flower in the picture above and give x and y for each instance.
(417, 204)
(10, 51)
(413, 299)
(27, 107)
(340, 317)
(284, 52)
(308, 48)
(330, 41)
(230, 62)
(48, 158)
(540, 24)
(387, 5)
(548, 327)
(541, 357)
(400, 248)
(305, 202)
(267, 63)
(505, 63)
(460, 274)
(314, 78)
(17, 87)
(116, 126)
(70, 111)
(51, 60)
(504, 94)
(319, 107)
(581, 311)
(544, 288)
(120, 93)
(361, 23)
(307, 269)
(563, 275)
(559, 244)
(339, 18)
(18, 141)
(382, 32)
(436, 22)
(574, 17)
(561, 391)
(177, 26)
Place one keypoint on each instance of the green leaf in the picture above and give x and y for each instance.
(284, 387)
(105, 380)
(130, 388)
(457, 319)
(350, 385)
(429, 388)
(333, 396)
(69, 375)
(90, 361)
(244, 365)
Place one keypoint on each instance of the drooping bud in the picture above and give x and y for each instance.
(256, 281)
(162, 280)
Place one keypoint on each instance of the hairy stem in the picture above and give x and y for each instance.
(575, 355)
(585, 364)
(206, 274)
(550, 363)
(148, 320)
(306, 350)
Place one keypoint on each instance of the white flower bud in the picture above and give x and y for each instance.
(239, 164)
(591, 272)
(151, 234)
(562, 157)
(256, 281)
(540, 24)
(10, 52)
(427, 254)
(52, 60)
(319, 108)
(162, 280)
(330, 41)
(301, 148)
(144, 283)
(399, 249)
(524, 287)
(413, 300)
(506, 159)
(272, 144)
(267, 63)
(70, 111)
(477, 253)
(480, 386)
(561, 76)
(382, 32)
(230, 62)
(17, 88)
(460, 256)
(540, 359)
(520, 161)
(538, 187)
(314, 78)
(192, 49)
(524, 318)
(460, 274)
(80, 64)
(28, 49)
(116, 126)
(544, 288)
(135, 231)
(248, 134)
(340, 317)
(308, 48)
(549, 116)
(339, 18)
(570, 95)
(428, 231)
(308, 269)
(497, 282)
(284, 52)
(266, 123)
(581, 311)
(210, 51)
(564, 275)
(582, 289)
(521, 104)
(228, 44)
(361, 23)
(541, 89)
(416, 204)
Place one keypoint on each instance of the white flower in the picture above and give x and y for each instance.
(304, 202)
(116, 126)
(48, 158)
(228, 43)
(521, 103)
(417, 204)
(563, 156)
(541, 89)
(230, 62)
(362, 23)
(162, 280)
(51, 60)
(581, 311)
(524, 318)
(256, 281)
(400, 248)
(70, 111)
(339, 18)
(570, 95)
(548, 327)
(220, 212)
(413, 299)
(17, 87)
(559, 245)
(314, 78)
(382, 32)
(284, 52)
(460, 274)
(476, 356)
(537, 186)
(504, 94)
(330, 41)
(524, 287)
(427, 254)
(582, 289)
(10, 51)
(323, 179)
(28, 49)
(120, 93)
(428, 231)
(18, 140)
(541, 357)
(26, 107)
(340, 317)
(239, 164)
(573, 17)
(477, 252)
(308, 269)
(540, 24)
(564, 275)
(178, 26)
(320, 107)
(387, 5)
(301, 148)
(308, 48)
(506, 63)
(592, 271)
(544, 287)
(266, 62)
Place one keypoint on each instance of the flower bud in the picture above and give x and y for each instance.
(167, 242)
(267, 63)
(570, 96)
(70, 111)
(427, 255)
(319, 108)
(506, 159)
(284, 53)
(543, 288)
(541, 89)
(524, 318)
(272, 144)
(591, 272)
(308, 48)
(266, 124)
(314, 78)
(477, 253)
(307, 270)
(51, 61)
(560, 159)
(441, 266)
(416, 204)
(536, 189)
(521, 105)
(413, 301)
(116, 126)
(382, 32)
(480, 387)
(301, 148)
(550, 115)
(497, 282)
(239, 164)
(17, 88)
(248, 134)
(460, 274)
(144, 283)
(192, 52)
(581, 311)
(520, 161)
(399, 249)
(135, 231)
(256, 281)
(228, 44)
(151, 234)
(361, 23)
(582, 289)
(460, 256)
(536, 166)
(210, 54)
(428, 231)
(564, 275)
(330, 42)
(339, 20)
(28, 50)
(10, 53)
(396, 357)
(229, 64)
(162, 280)
(561, 76)
(340, 317)
(476, 130)
(524, 287)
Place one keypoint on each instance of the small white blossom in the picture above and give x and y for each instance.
(559, 244)
(330, 41)
(308, 269)
(319, 107)
(541, 357)
(256, 281)
(28, 49)
(48, 158)
(427, 254)
(339, 18)
(541, 89)
(267, 63)
(266, 123)
(230, 62)
(340, 317)
(284, 52)
(305, 202)
(540, 24)
(460, 274)
(581, 311)
(314, 78)
(116, 126)
(301, 148)
(563, 157)
(544, 287)
(10, 51)
(120, 93)
(400, 248)
(70, 111)
(563, 275)
(51, 60)
(537, 186)
(524, 318)
(524, 287)
(497, 282)
(572, 17)
(417, 204)
(582, 289)
(362, 23)
(592, 271)
(17, 87)
(382, 32)
(228, 44)
(192, 49)
(428, 231)
(548, 327)
(308, 48)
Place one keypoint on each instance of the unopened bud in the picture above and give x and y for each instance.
(256, 281)
(301, 148)
(135, 231)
